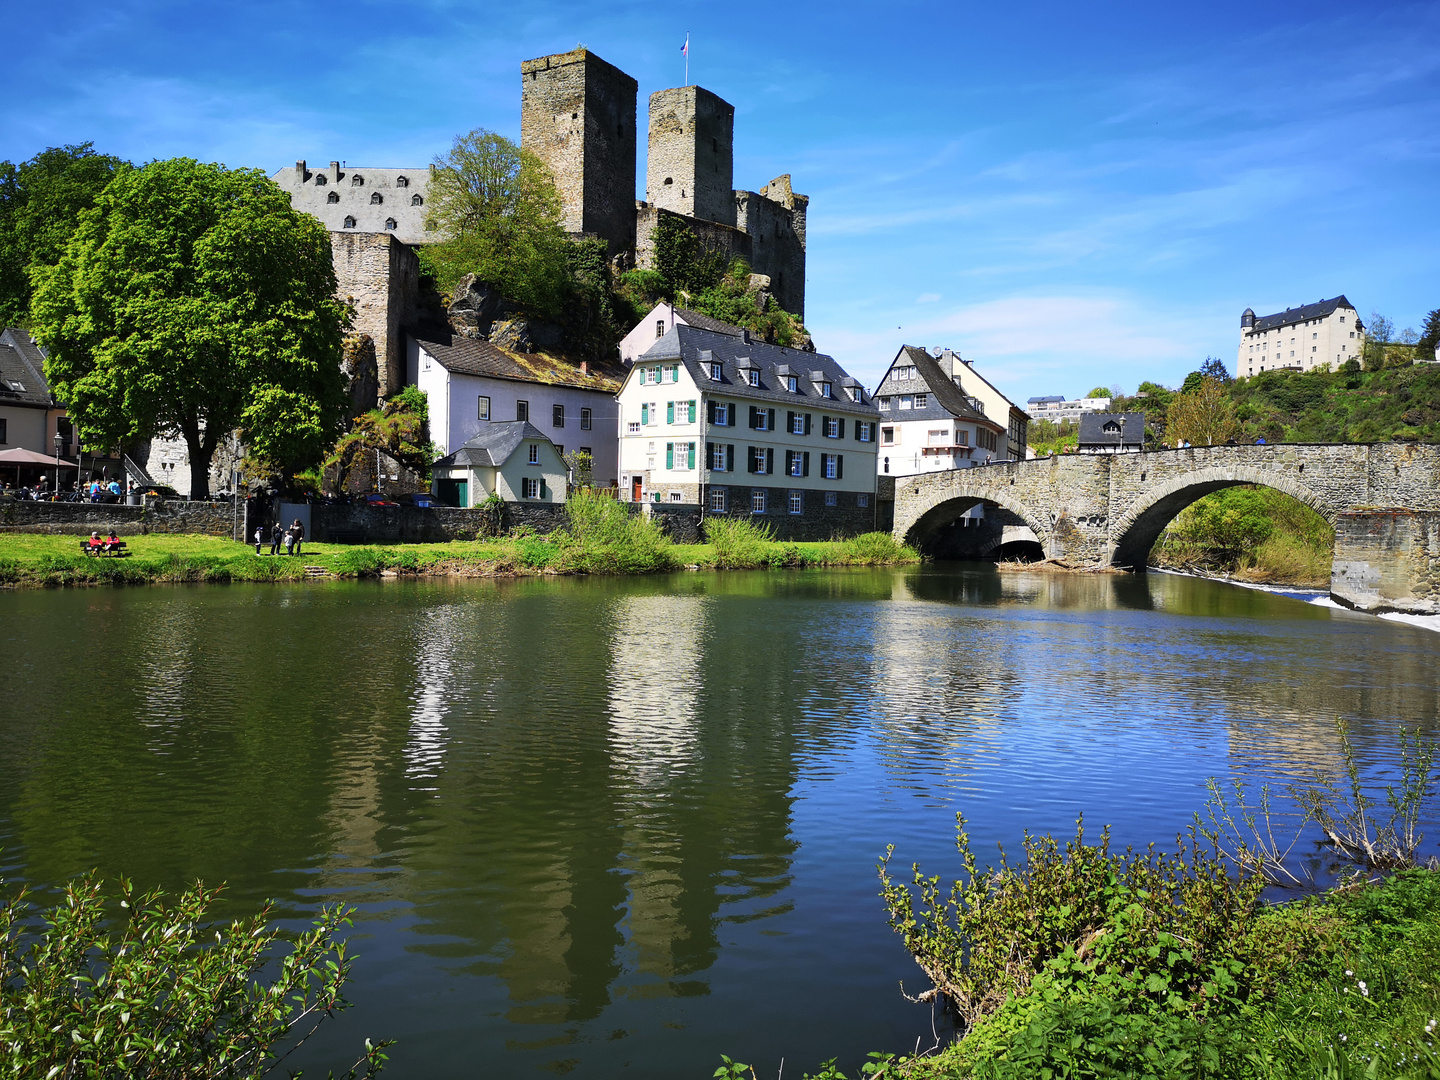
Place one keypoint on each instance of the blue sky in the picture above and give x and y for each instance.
(1072, 195)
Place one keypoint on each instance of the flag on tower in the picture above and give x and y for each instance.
(685, 49)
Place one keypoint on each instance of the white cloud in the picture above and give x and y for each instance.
(927, 298)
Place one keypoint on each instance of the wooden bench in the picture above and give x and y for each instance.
(108, 547)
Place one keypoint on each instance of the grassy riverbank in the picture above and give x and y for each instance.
(1253, 534)
(35, 561)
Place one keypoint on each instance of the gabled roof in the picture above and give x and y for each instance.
(494, 444)
(932, 379)
(705, 322)
(1291, 316)
(697, 349)
(22, 379)
(475, 356)
(1093, 433)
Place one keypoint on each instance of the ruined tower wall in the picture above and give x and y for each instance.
(380, 278)
(577, 114)
(712, 236)
(777, 237)
(690, 164)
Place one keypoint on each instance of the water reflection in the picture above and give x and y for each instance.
(624, 825)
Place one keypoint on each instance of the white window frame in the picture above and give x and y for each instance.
(587, 419)
(757, 501)
(482, 406)
(717, 500)
(828, 466)
(797, 424)
(530, 487)
(796, 502)
(717, 457)
(832, 427)
(922, 401)
(534, 453)
(752, 376)
(832, 499)
(716, 371)
(865, 430)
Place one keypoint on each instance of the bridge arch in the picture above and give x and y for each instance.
(1135, 532)
(942, 510)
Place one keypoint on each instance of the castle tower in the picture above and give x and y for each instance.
(691, 161)
(577, 114)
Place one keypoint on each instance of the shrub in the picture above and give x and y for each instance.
(740, 544)
(602, 536)
(158, 993)
(875, 549)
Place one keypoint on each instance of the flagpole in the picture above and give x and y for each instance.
(687, 58)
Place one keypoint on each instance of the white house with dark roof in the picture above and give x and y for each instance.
(927, 423)
(741, 427)
(1300, 339)
(27, 414)
(663, 318)
(472, 384)
(1111, 433)
(512, 459)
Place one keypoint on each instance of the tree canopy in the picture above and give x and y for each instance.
(1204, 416)
(192, 300)
(1098, 392)
(40, 201)
(496, 207)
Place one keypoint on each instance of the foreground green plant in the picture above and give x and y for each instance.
(161, 994)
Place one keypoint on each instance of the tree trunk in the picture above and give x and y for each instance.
(201, 451)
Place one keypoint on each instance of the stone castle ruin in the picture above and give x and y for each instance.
(579, 116)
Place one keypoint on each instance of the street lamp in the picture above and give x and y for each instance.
(59, 442)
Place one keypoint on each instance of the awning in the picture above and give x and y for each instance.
(20, 456)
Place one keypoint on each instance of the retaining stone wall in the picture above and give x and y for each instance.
(81, 519)
(1388, 560)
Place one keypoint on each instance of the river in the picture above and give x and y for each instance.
(606, 827)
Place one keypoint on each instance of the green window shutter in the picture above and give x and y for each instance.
(770, 458)
(750, 459)
(770, 421)
(730, 457)
(691, 455)
(544, 494)
(731, 411)
(805, 467)
(842, 427)
(789, 420)
(859, 427)
(754, 417)
(669, 455)
(710, 411)
(839, 466)
(692, 410)
(669, 412)
(824, 426)
(644, 414)
(709, 455)
(807, 423)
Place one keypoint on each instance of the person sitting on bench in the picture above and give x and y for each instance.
(95, 541)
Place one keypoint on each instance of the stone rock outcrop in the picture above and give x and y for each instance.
(521, 334)
(361, 368)
(474, 307)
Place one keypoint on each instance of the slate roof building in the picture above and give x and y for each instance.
(663, 318)
(1300, 339)
(473, 384)
(1112, 433)
(927, 423)
(30, 417)
(739, 427)
(513, 459)
(362, 199)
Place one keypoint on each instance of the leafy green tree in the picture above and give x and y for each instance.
(685, 265)
(1099, 391)
(152, 991)
(193, 300)
(1203, 417)
(499, 213)
(1429, 337)
(40, 201)
(732, 300)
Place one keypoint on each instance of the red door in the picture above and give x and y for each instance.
(637, 489)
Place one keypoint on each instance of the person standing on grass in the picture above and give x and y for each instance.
(298, 532)
(259, 537)
(275, 532)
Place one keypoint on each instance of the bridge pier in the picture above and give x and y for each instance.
(1387, 560)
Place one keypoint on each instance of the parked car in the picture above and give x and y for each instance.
(421, 498)
(375, 498)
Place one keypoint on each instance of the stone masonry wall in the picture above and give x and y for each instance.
(577, 114)
(81, 519)
(777, 247)
(1388, 560)
(380, 277)
(712, 236)
(690, 162)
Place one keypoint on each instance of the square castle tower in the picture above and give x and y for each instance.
(578, 115)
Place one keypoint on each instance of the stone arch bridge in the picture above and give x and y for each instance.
(1108, 510)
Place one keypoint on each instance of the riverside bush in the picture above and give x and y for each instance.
(876, 549)
(740, 544)
(152, 991)
(602, 536)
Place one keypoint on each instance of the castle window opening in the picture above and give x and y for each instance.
(668, 181)
(416, 200)
(357, 180)
(402, 181)
(376, 198)
(319, 179)
(574, 116)
(333, 197)
(349, 222)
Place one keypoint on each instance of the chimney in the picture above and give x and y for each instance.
(746, 335)
(335, 170)
(300, 169)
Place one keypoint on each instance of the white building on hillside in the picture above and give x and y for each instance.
(472, 384)
(927, 423)
(741, 427)
(1300, 339)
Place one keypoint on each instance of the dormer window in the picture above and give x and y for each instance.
(752, 376)
(390, 223)
(715, 370)
(402, 181)
(825, 390)
(792, 384)
(319, 179)
(333, 197)
(376, 198)
(357, 180)
(349, 222)
(856, 393)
